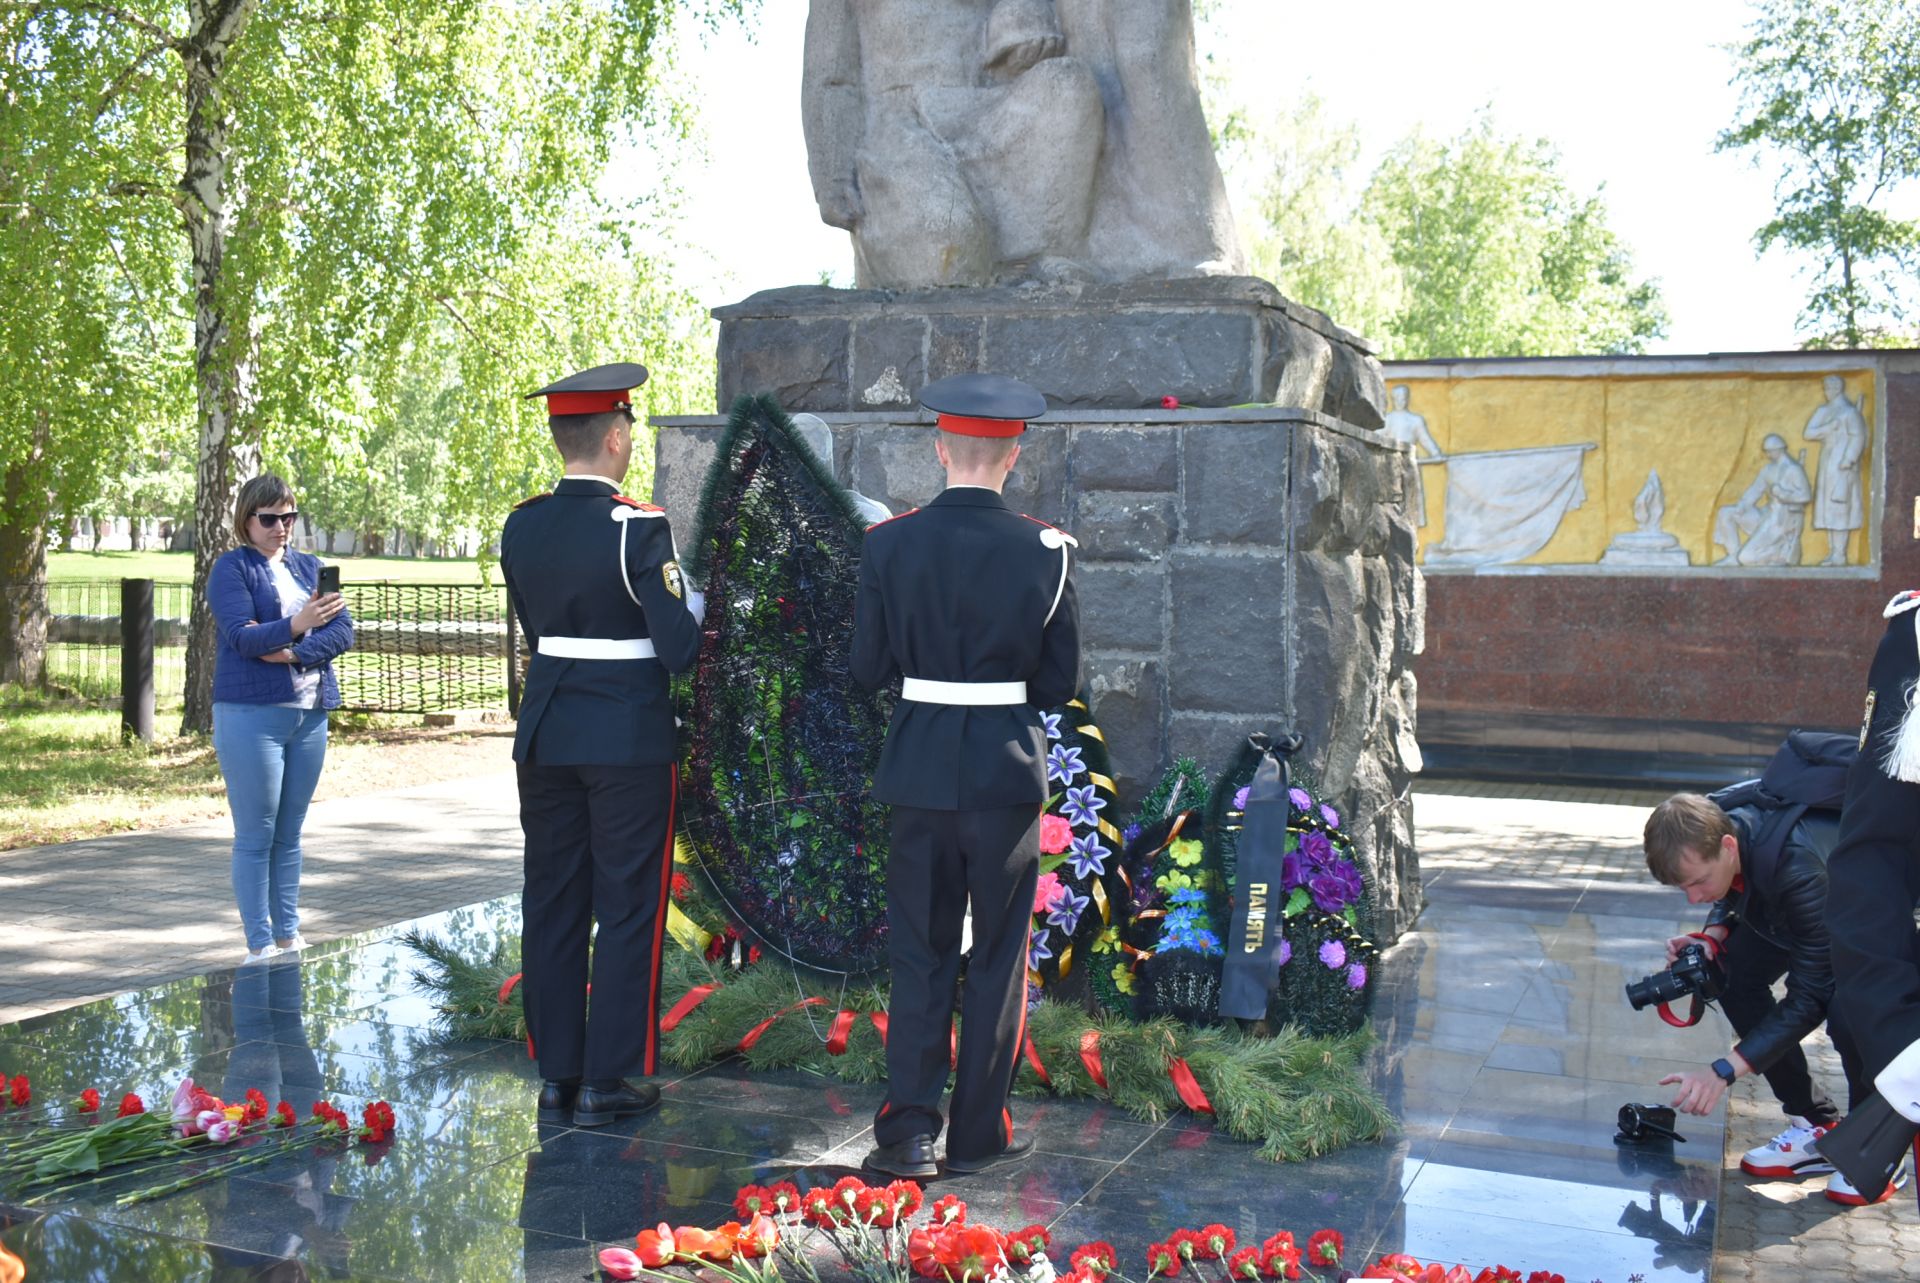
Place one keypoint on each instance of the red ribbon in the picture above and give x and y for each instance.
(1189, 1088)
(753, 1034)
(1090, 1057)
(506, 991)
(837, 1035)
(1033, 1058)
(880, 1025)
(953, 1045)
(683, 1008)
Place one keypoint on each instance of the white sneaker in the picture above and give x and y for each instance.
(1841, 1191)
(1790, 1154)
(295, 945)
(267, 954)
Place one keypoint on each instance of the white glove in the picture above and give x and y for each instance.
(697, 605)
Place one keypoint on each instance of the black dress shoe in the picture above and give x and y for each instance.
(596, 1108)
(911, 1159)
(1015, 1151)
(556, 1099)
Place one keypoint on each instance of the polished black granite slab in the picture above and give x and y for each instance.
(1504, 1047)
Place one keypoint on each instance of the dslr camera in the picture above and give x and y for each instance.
(1695, 972)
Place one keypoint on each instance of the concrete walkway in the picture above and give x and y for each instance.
(90, 919)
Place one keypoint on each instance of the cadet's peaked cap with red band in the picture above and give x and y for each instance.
(983, 405)
(595, 391)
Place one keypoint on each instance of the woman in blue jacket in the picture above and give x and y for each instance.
(272, 686)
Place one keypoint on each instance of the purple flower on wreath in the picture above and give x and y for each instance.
(1301, 799)
(1284, 954)
(1082, 808)
(1317, 847)
(1130, 834)
(1357, 976)
(1293, 871)
(1051, 722)
(1334, 955)
(1033, 996)
(1240, 799)
(1088, 856)
(1037, 952)
(1066, 910)
(1334, 889)
(1064, 764)
(1331, 816)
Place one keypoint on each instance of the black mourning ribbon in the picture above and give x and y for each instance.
(1251, 967)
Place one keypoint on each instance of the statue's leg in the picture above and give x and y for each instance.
(922, 225)
(1032, 157)
(1837, 541)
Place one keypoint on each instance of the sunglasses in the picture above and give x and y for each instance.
(272, 519)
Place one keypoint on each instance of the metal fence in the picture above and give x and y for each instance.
(418, 648)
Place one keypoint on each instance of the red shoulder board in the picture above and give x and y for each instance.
(635, 503)
(530, 500)
(895, 517)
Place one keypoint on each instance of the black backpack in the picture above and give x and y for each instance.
(1808, 773)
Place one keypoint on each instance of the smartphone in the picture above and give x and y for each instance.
(329, 579)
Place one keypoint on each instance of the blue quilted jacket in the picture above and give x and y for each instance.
(246, 614)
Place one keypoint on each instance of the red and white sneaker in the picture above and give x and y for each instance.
(1790, 1155)
(1840, 1191)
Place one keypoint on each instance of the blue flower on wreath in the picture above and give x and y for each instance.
(1064, 764)
(1066, 910)
(1081, 807)
(1088, 856)
(1051, 721)
(1037, 953)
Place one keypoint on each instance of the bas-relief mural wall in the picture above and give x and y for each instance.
(1701, 471)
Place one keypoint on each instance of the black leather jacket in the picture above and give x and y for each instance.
(1785, 906)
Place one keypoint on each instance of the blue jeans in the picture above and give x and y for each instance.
(271, 757)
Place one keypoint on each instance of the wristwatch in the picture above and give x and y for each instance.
(1724, 1068)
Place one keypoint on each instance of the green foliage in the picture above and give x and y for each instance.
(1830, 93)
(1500, 257)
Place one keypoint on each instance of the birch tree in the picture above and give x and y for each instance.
(329, 178)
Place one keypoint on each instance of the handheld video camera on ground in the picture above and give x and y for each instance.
(1695, 972)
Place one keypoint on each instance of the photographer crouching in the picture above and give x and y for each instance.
(1769, 896)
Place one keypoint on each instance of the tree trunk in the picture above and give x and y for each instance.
(223, 376)
(23, 567)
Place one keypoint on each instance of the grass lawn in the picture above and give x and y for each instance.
(65, 774)
(177, 567)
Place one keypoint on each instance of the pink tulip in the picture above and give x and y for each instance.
(619, 1263)
(204, 1121)
(183, 1106)
(223, 1132)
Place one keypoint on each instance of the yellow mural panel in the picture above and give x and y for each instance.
(1754, 468)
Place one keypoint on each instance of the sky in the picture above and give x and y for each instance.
(1632, 94)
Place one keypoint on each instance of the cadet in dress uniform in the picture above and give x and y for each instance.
(595, 581)
(1874, 875)
(972, 605)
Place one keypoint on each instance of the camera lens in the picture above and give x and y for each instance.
(1662, 986)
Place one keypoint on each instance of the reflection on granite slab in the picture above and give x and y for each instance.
(1502, 1044)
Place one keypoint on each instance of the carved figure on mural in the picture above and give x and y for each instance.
(965, 142)
(1763, 529)
(1841, 429)
(1410, 429)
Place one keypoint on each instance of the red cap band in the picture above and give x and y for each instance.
(588, 402)
(963, 426)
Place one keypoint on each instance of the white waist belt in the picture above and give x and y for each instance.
(597, 647)
(922, 691)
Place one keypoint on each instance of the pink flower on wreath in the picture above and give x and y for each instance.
(1056, 834)
(1046, 892)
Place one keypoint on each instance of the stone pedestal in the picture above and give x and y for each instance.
(1238, 570)
(1206, 341)
(1645, 548)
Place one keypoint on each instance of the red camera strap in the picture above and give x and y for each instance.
(1697, 1008)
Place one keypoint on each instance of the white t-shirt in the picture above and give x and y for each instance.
(306, 684)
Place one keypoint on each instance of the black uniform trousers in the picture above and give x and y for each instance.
(1753, 964)
(940, 860)
(598, 847)
(1874, 888)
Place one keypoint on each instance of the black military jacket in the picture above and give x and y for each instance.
(966, 590)
(561, 557)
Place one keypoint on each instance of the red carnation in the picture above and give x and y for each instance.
(1187, 1243)
(786, 1196)
(752, 1199)
(1024, 1245)
(1213, 1242)
(906, 1196)
(256, 1105)
(1497, 1274)
(131, 1104)
(1163, 1260)
(1244, 1264)
(1398, 1264)
(948, 1210)
(817, 1207)
(880, 1207)
(283, 1115)
(1097, 1259)
(1545, 1276)
(89, 1101)
(21, 1092)
(1324, 1247)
